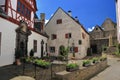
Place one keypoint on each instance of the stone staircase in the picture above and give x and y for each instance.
(111, 50)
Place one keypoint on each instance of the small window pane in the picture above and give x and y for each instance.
(59, 21)
(35, 45)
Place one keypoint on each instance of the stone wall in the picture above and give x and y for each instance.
(82, 74)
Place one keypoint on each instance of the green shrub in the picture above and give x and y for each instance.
(95, 59)
(72, 65)
(102, 58)
(86, 62)
(42, 63)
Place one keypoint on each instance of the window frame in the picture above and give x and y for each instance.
(59, 21)
(24, 11)
(52, 49)
(35, 45)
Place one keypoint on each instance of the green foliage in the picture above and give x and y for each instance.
(104, 48)
(28, 59)
(64, 50)
(117, 53)
(42, 63)
(72, 65)
(95, 59)
(102, 58)
(86, 62)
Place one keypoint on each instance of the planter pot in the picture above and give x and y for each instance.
(44, 67)
(103, 59)
(72, 69)
(95, 62)
(86, 65)
(18, 62)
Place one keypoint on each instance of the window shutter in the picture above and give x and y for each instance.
(55, 36)
(83, 35)
(69, 35)
(75, 49)
(66, 35)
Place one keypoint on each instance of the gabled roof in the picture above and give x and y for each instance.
(108, 19)
(68, 16)
(97, 27)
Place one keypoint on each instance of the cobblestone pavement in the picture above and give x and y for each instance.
(112, 72)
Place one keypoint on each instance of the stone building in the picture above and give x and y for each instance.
(18, 30)
(104, 36)
(64, 30)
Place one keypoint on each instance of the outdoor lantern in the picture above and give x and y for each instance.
(42, 42)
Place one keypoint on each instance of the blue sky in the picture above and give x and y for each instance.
(89, 12)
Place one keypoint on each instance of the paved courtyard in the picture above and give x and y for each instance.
(112, 72)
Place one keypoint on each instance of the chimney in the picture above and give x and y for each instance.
(42, 16)
(69, 13)
(42, 20)
(76, 19)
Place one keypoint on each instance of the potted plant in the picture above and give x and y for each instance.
(72, 67)
(42, 63)
(95, 60)
(28, 60)
(103, 58)
(86, 63)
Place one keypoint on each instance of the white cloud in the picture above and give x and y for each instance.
(46, 21)
(90, 29)
(51, 15)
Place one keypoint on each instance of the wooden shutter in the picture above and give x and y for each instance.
(75, 49)
(66, 35)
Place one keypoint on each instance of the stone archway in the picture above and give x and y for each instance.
(22, 33)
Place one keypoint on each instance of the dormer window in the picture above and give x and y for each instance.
(59, 21)
(96, 28)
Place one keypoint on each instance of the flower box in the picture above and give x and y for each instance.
(42, 64)
(86, 63)
(72, 67)
(95, 60)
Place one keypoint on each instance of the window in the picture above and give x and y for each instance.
(83, 35)
(23, 10)
(35, 45)
(46, 47)
(96, 28)
(71, 49)
(0, 43)
(52, 49)
(68, 35)
(53, 36)
(59, 21)
(79, 42)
